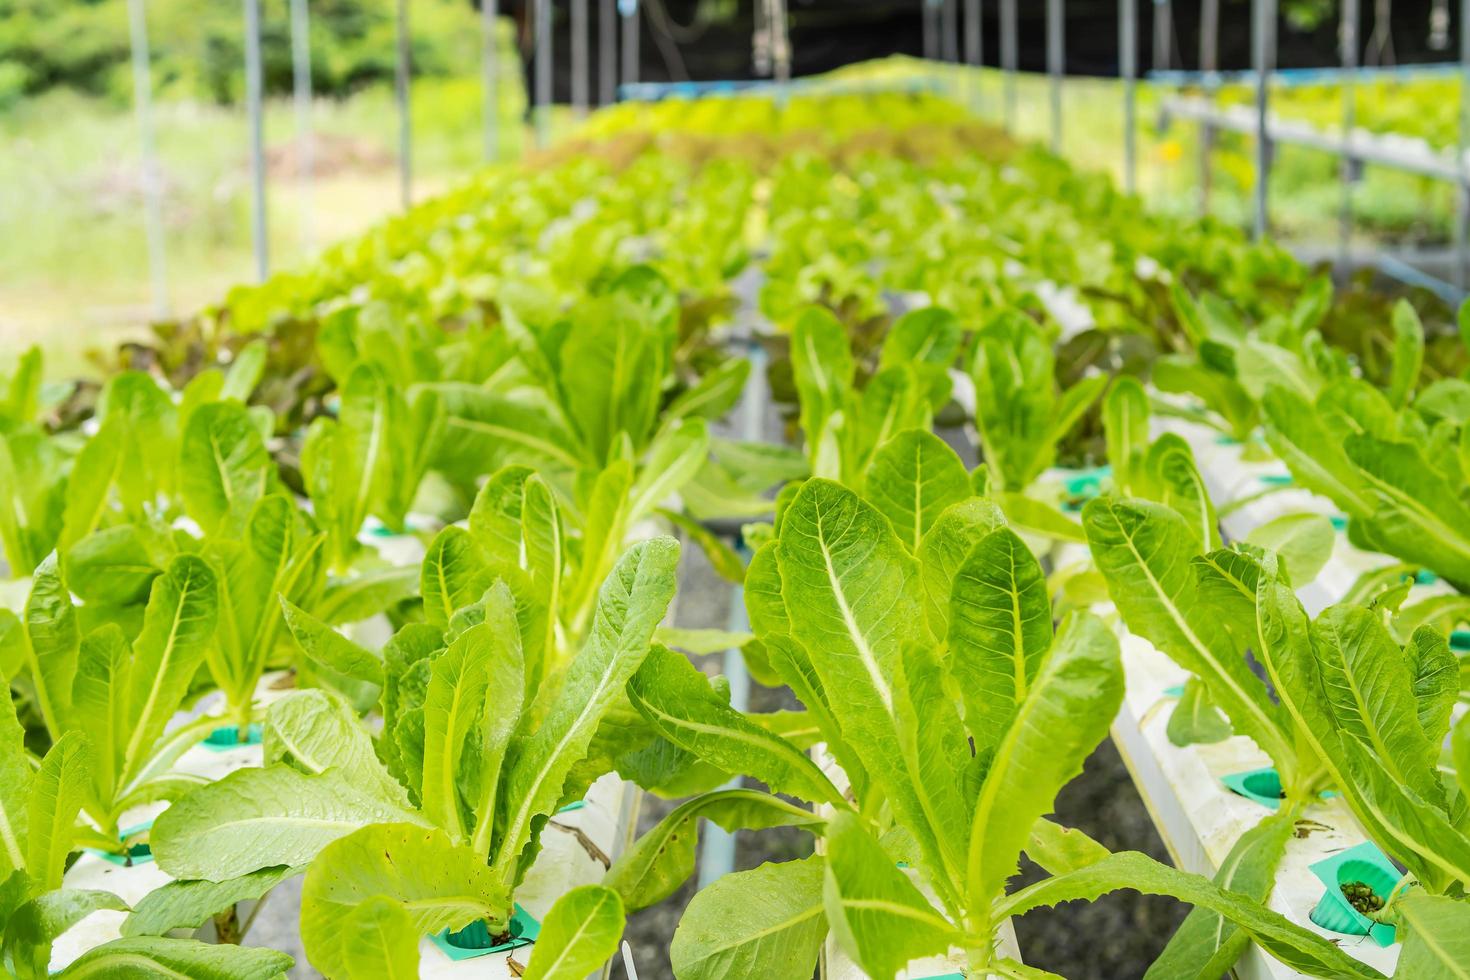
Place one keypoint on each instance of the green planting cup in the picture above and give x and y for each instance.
(475, 939)
(1364, 864)
(227, 737)
(1261, 786)
(1082, 485)
(136, 853)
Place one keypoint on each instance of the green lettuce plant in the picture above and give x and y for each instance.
(844, 423)
(1020, 414)
(434, 823)
(1393, 461)
(1343, 675)
(39, 809)
(954, 712)
(121, 691)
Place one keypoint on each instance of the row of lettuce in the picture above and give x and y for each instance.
(528, 375)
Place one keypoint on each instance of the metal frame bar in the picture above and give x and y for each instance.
(1055, 65)
(1348, 50)
(254, 94)
(1462, 226)
(301, 100)
(148, 152)
(974, 51)
(949, 31)
(928, 13)
(1381, 150)
(490, 66)
(780, 42)
(402, 71)
(581, 87)
(1008, 60)
(545, 52)
(760, 39)
(1128, 65)
(1263, 49)
(628, 9)
(1209, 64)
(607, 52)
(1163, 34)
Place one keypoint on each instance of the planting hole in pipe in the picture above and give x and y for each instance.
(1083, 485)
(227, 737)
(135, 847)
(475, 939)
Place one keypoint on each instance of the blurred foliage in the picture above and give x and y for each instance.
(197, 46)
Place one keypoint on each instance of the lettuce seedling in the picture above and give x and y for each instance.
(122, 692)
(1020, 414)
(843, 422)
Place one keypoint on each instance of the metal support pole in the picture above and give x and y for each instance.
(1462, 144)
(1163, 35)
(780, 42)
(1209, 63)
(580, 55)
(402, 67)
(1348, 43)
(760, 40)
(544, 54)
(949, 33)
(629, 11)
(490, 64)
(717, 857)
(301, 98)
(1263, 46)
(147, 151)
(1008, 58)
(253, 97)
(929, 11)
(1055, 56)
(607, 52)
(1128, 65)
(974, 52)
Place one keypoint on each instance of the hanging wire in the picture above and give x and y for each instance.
(1380, 42)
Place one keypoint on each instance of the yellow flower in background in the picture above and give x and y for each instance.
(1170, 151)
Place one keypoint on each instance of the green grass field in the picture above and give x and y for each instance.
(73, 263)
